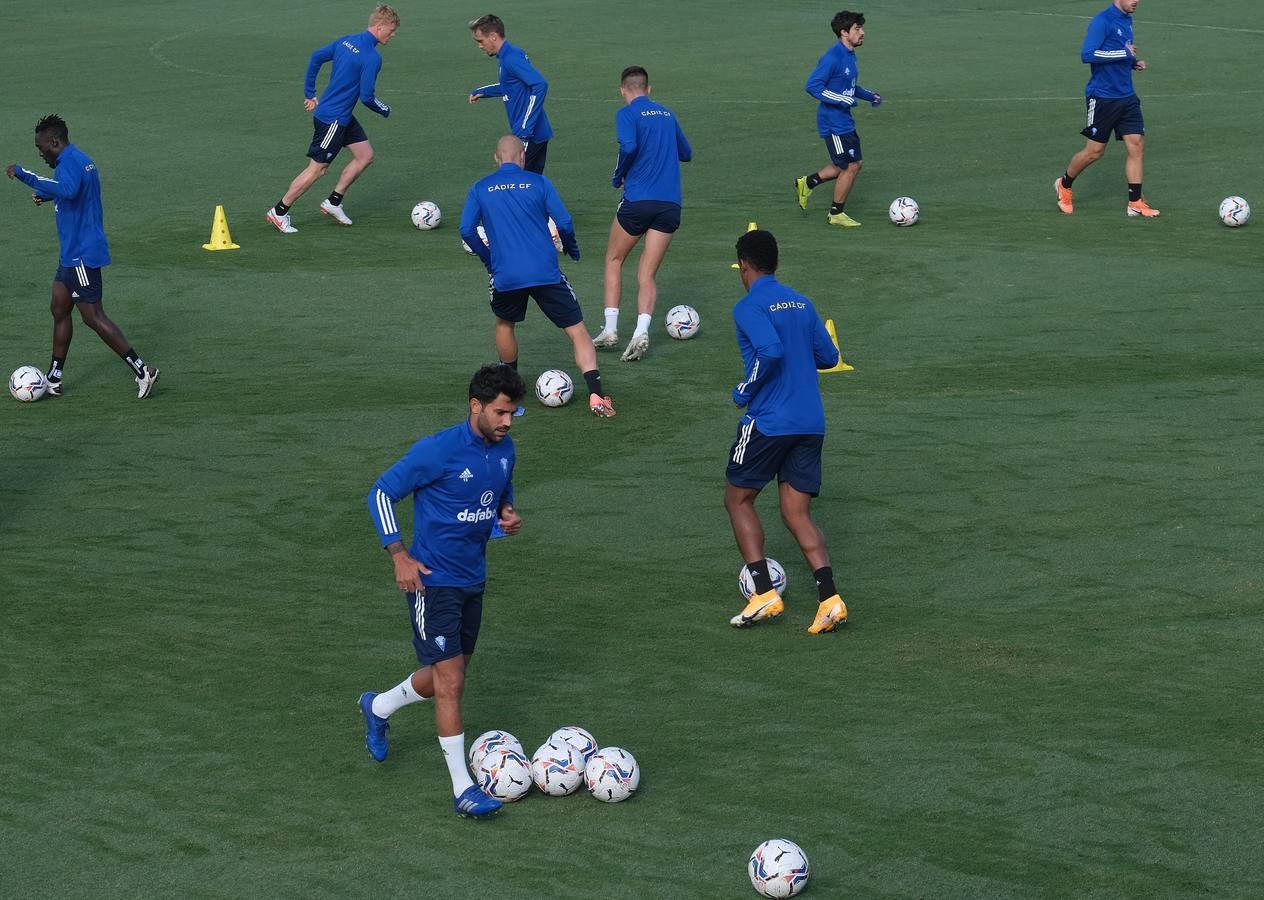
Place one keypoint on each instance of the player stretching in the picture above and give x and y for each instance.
(833, 83)
(651, 149)
(356, 63)
(1112, 105)
(522, 87)
(783, 343)
(75, 190)
(514, 208)
(461, 481)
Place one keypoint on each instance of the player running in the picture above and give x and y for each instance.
(75, 190)
(651, 149)
(1113, 105)
(833, 83)
(356, 63)
(514, 208)
(522, 87)
(461, 482)
(783, 342)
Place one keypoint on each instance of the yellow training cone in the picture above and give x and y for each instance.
(840, 366)
(751, 227)
(220, 238)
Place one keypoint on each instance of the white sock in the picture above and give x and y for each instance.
(454, 756)
(643, 324)
(612, 319)
(385, 703)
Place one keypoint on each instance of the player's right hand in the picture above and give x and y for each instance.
(309, 103)
(474, 98)
(11, 170)
(877, 100)
(37, 199)
(408, 571)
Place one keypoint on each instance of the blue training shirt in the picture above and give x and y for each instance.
(651, 149)
(459, 483)
(75, 190)
(524, 90)
(833, 83)
(353, 77)
(783, 342)
(514, 207)
(1107, 49)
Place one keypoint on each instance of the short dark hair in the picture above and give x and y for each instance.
(54, 124)
(634, 78)
(759, 250)
(488, 24)
(491, 381)
(844, 20)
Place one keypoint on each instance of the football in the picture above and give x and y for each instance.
(778, 868)
(554, 388)
(579, 738)
(490, 741)
(504, 774)
(27, 384)
(775, 572)
(903, 211)
(612, 774)
(557, 768)
(1234, 211)
(682, 322)
(426, 215)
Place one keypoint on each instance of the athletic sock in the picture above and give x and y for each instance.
(513, 364)
(335, 198)
(454, 755)
(836, 208)
(1067, 181)
(643, 324)
(612, 319)
(593, 380)
(759, 575)
(280, 209)
(1134, 192)
(387, 702)
(813, 180)
(825, 582)
(54, 369)
(135, 363)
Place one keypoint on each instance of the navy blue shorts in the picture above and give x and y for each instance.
(536, 156)
(1105, 114)
(557, 301)
(640, 216)
(757, 459)
(330, 137)
(445, 621)
(84, 283)
(844, 149)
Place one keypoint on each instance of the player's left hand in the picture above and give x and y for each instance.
(510, 522)
(877, 100)
(573, 253)
(474, 98)
(11, 170)
(616, 182)
(309, 103)
(37, 200)
(1139, 65)
(739, 399)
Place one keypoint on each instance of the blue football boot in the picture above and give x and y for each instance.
(375, 727)
(474, 804)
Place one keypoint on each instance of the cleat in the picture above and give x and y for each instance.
(1064, 196)
(760, 606)
(375, 727)
(831, 612)
(842, 219)
(1141, 208)
(606, 340)
(802, 191)
(54, 387)
(334, 211)
(282, 223)
(145, 383)
(601, 406)
(637, 348)
(474, 804)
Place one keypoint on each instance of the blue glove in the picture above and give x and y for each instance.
(877, 99)
(739, 399)
(573, 253)
(616, 182)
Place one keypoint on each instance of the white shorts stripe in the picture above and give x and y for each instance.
(83, 275)
(329, 135)
(1092, 108)
(744, 435)
(838, 144)
(421, 615)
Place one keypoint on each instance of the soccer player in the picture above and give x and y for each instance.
(1113, 105)
(651, 149)
(461, 482)
(833, 83)
(75, 190)
(514, 207)
(783, 343)
(353, 77)
(522, 87)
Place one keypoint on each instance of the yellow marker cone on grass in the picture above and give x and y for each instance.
(220, 238)
(751, 227)
(840, 366)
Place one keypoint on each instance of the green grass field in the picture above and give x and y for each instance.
(1042, 483)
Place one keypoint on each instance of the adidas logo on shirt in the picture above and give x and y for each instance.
(467, 475)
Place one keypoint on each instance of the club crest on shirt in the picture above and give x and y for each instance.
(441, 642)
